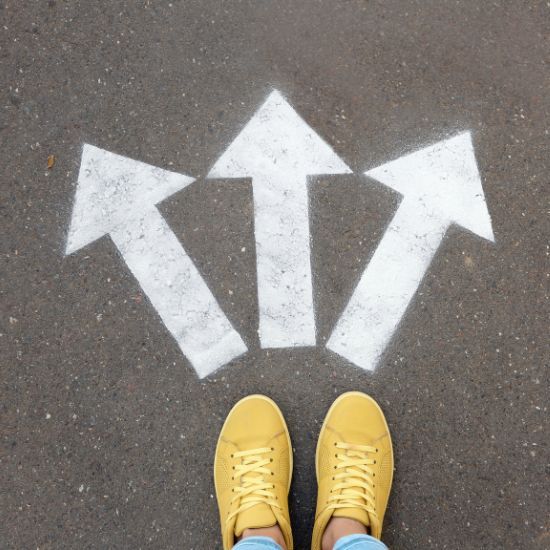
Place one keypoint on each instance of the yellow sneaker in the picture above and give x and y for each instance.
(253, 469)
(354, 465)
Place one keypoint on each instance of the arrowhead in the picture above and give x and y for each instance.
(113, 189)
(443, 179)
(277, 140)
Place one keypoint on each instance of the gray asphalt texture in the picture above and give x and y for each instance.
(107, 434)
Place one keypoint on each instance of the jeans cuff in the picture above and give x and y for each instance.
(257, 543)
(359, 542)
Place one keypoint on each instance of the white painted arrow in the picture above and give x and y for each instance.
(278, 150)
(117, 196)
(441, 186)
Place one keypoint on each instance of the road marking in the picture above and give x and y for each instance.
(441, 186)
(117, 196)
(278, 150)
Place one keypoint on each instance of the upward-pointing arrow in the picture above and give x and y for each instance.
(278, 150)
(441, 186)
(117, 196)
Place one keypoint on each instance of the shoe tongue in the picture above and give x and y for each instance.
(256, 517)
(353, 513)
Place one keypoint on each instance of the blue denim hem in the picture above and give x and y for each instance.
(359, 542)
(257, 543)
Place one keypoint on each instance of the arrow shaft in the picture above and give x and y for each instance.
(176, 289)
(285, 294)
(387, 285)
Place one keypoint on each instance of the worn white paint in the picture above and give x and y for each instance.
(278, 150)
(117, 196)
(441, 186)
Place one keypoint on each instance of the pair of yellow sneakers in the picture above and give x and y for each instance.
(253, 467)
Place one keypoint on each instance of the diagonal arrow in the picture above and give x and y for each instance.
(441, 186)
(278, 150)
(116, 196)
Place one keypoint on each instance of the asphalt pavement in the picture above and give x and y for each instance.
(107, 432)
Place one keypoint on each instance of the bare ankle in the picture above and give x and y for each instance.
(274, 533)
(338, 528)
